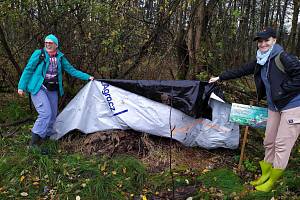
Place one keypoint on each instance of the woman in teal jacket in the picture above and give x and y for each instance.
(42, 78)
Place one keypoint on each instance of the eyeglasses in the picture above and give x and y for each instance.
(49, 43)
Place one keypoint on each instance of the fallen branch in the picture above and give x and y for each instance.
(21, 121)
(11, 132)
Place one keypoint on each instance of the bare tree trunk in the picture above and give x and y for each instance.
(199, 20)
(278, 11)
(252, 28)
(198, 36)
(182, 56)
(298, 43)
(291, 43)
(272, 12)
(197, 29)
(262, 14)
(243, 26)
(181, 45)
(281, 23)
(195, 33)
(267, 12)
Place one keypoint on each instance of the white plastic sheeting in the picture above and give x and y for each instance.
(100, 106)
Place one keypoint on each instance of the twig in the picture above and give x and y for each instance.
(170, 149)
(10, 133)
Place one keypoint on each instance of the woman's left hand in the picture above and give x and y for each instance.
(91, 78)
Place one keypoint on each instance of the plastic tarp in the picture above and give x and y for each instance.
(187, 96)
(100, 106)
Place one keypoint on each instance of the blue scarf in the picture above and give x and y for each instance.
(262, 57)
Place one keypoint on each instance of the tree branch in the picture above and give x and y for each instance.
(153, 37)
(8, 51)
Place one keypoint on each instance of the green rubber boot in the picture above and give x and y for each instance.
(265, 173)
(274, 176)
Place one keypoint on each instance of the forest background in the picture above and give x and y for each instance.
(136, 39)
(143, 39)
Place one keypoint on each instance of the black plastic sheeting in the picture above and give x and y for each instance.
(188, 96)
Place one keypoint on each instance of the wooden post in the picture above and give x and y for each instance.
(243, 145)
(243, 148)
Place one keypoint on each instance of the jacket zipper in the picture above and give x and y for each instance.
(268, 78)
(255, 84)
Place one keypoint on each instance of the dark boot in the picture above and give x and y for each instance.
(35, 140)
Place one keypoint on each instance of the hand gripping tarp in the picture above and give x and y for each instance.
(100, 106)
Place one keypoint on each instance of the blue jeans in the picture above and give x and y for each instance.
(45, 103)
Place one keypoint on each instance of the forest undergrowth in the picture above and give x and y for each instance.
(126, 165)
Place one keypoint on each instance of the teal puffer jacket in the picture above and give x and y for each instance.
(33, 76)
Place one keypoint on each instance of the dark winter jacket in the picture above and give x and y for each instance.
(284, 86)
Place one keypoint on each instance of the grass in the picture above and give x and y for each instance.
(13, 110)
(64, 176)
(223, 179)
(163, 181)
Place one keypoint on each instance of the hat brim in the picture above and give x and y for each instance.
(262, 37)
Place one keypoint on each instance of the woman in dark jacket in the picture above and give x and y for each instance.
(281, 86)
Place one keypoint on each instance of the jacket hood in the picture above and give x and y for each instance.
(276, 50)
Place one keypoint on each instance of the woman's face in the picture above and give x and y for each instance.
(50, 46)
(265, 44)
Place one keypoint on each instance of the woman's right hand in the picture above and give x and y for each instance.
(213, 79)
(21, 93)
